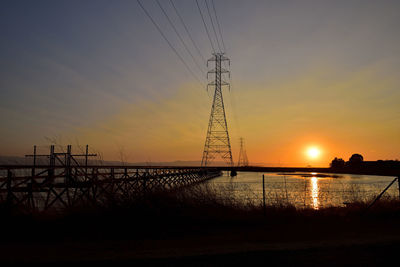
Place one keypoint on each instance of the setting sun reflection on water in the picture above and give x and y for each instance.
(314, 192)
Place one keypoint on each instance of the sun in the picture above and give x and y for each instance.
(313, 152)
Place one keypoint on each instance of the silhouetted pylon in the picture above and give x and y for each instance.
(217, 140)
(243, 161)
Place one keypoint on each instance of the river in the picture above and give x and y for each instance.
(313, 190)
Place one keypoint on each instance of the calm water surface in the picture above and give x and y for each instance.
(303, 189)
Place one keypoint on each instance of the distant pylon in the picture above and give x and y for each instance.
(217, 140)
(243, 161)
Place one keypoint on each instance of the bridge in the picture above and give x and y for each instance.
(47, 186)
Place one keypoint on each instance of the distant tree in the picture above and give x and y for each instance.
(356, 158)
(355, 161)
(337, 163)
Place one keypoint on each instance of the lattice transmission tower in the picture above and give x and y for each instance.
(243, 161)
(217, 140)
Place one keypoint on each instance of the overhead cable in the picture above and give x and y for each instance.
(212, 24)
(179, 36)
(187, 31)
(169, 43)
(219, 26)
(205, 26)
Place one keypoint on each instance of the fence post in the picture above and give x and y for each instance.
(398, 183)
(305, 191)
(381, 194)
(264, 206)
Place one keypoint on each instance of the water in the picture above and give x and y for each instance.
(313, 190)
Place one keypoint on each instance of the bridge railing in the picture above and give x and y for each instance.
(44, 187)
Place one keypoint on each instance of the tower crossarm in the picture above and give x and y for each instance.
(223, 83)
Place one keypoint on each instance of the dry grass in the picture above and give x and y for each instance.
(176, 212)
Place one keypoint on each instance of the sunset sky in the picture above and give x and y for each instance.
(322, 74)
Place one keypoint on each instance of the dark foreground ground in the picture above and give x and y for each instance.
(366, 247)
(203, 232)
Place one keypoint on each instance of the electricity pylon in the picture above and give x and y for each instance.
(217, 140)
(243, 161)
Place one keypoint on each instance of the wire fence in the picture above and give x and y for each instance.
(296, 190)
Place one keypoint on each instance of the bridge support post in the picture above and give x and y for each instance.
(145, 175)
(31, 201)
(112, 181)
(52, 163)
(9, 189)
(94, 184)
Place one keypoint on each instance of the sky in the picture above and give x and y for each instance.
(304, 74)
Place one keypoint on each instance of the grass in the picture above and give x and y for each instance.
(178, 212)
(202, 225)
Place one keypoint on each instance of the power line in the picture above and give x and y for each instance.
(187, 31)
(212, 24)
(169, 43)
(179, 36)
(219, 26)
(205, 26)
